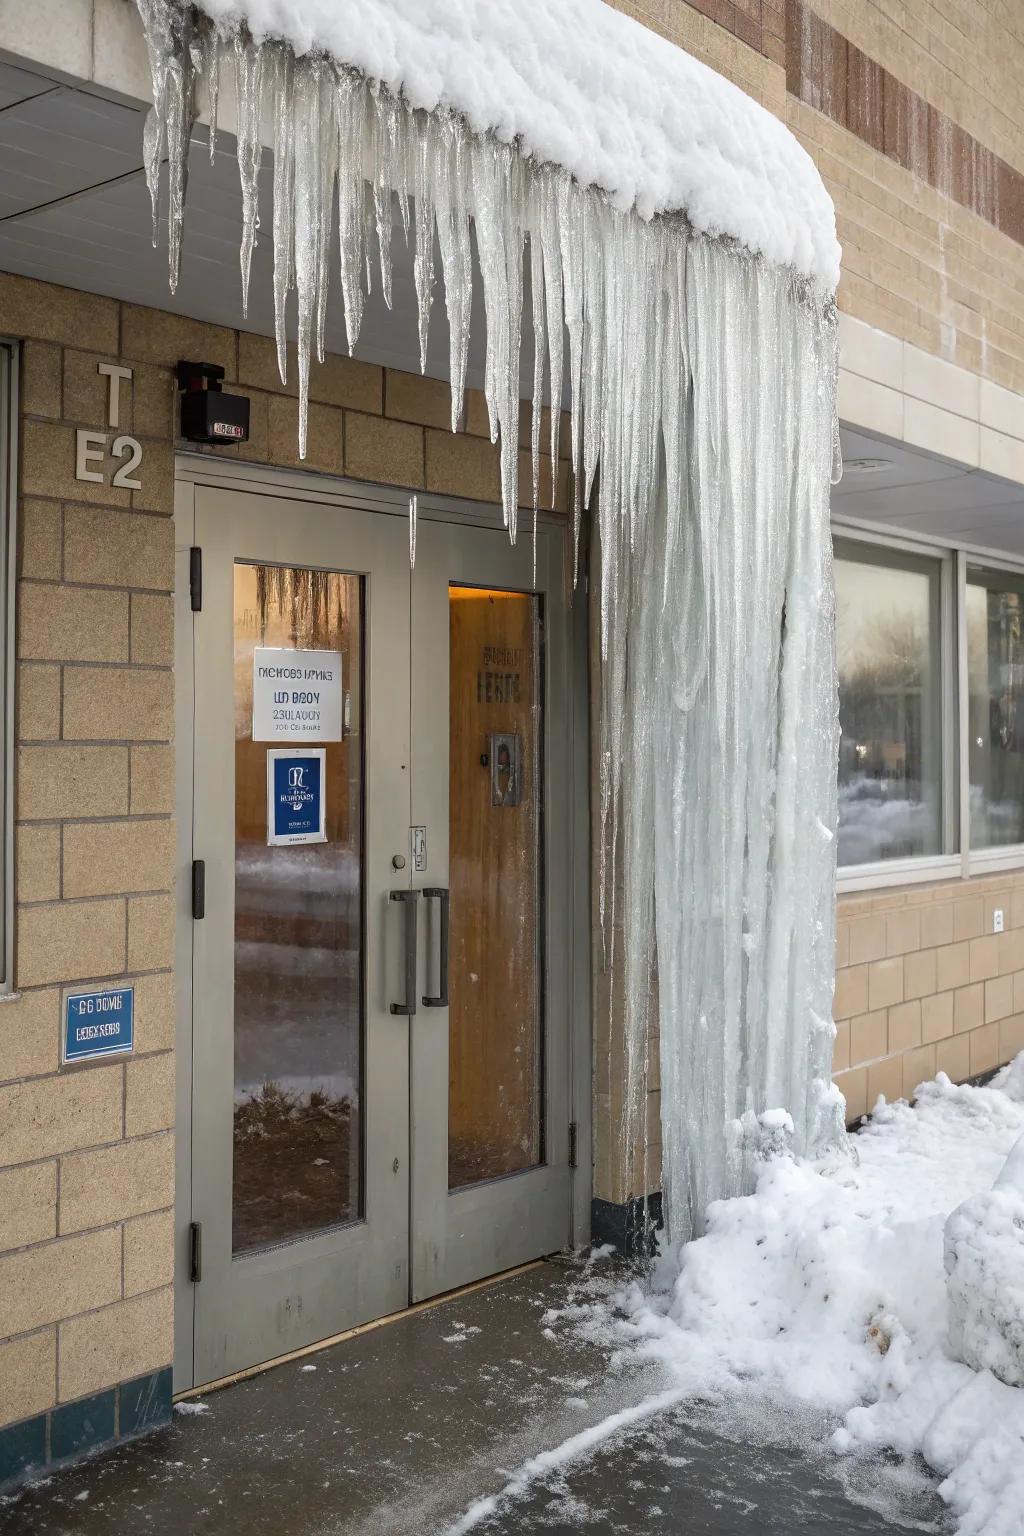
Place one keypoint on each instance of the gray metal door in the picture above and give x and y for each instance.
(379, 995)
(300, 1070)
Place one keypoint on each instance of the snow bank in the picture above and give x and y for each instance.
(826, 1287)
(985, 1275)
(578, 85)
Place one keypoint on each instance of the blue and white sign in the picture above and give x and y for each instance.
(296, 809)
(98, 1023)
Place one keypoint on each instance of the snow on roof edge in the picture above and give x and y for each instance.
(582, 86)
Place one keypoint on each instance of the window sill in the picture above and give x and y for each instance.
(997, 861)
(875, 877)
(878, 877)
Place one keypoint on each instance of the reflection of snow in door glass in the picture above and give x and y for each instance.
(298, 920)
(495, 1071)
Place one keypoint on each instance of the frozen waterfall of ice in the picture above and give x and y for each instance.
(702, 380)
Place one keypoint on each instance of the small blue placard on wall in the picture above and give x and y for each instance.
(98, 1023)
(296, 811)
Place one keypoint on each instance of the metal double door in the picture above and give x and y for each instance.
(378, 875)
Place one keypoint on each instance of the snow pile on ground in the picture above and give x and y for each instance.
(579, 85)
(827, 1288)
(985, 1269)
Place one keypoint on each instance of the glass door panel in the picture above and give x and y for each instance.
(298, 930)
(495, 1024)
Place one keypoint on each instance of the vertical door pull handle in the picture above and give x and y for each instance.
(441, 1000)
(411, 899)
(198, 888)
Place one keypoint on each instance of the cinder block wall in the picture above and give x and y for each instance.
(924, 985)
(86, 1155)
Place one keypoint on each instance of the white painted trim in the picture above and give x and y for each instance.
(871, 877)
(923, 543)
(956, 757)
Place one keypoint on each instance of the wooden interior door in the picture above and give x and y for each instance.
(490, 787)
(495, 1026)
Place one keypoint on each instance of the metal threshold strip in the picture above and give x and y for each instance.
(352, 1333)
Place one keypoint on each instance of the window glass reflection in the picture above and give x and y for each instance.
(887, 636)
(995, 716)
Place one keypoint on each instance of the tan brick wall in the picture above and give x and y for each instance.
(915, 264)
(86, 1153)
(924, 985)
(965, 56)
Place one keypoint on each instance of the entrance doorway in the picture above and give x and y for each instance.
(376, 1015)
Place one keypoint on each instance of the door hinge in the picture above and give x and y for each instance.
(198, 888)
(573, 1138)
(195, 578)
(195, 1251)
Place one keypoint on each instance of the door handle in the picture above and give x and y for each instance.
(441, 1000)
(411, 898)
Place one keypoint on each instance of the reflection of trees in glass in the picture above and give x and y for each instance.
(881, 691)
(888, 770)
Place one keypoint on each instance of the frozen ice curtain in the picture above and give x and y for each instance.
(702, 382)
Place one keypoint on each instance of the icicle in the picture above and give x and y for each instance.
(456, 253)
(283, 66)
(312, 143)
(539, 359)
(249, 57)
(351, 116)
(551, 257)
(169, 122)
(328, 159)
(423, 267)
(206, 64)
(389, 165)
(413, 512)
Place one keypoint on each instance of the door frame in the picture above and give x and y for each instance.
(191, 471)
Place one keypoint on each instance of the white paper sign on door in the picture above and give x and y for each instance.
(296, 695)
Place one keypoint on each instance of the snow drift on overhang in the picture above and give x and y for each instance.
(577, 84)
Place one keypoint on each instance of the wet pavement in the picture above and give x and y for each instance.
(403, 1429)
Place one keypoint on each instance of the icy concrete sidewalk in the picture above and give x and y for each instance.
(400, 1430)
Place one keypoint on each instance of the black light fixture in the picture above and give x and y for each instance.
(208, 415)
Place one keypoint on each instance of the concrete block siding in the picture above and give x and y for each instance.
(924, 985)
(86, 1153)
